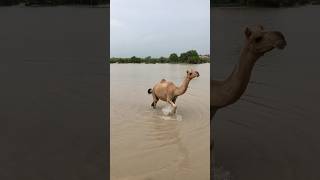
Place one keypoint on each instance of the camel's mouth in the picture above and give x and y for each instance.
(197, 73)
(281, 44)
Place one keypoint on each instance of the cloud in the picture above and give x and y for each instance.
(114, 23)
(159, 27)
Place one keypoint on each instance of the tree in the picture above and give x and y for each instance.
(134, 59)
(147, 59)
(190, 56)
(193, 60)
(162, 60)
(173, 57)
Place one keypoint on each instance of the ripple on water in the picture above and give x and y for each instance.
(173, 143)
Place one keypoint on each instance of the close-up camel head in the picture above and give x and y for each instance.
(192, 74)
(260, 41)
(257, 42)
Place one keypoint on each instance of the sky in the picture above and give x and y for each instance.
(159, 27)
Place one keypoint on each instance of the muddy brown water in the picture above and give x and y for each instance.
(145, 142)
(273, 131)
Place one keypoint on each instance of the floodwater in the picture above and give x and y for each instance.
(148, 144)
(273, 131)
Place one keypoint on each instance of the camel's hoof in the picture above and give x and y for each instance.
(174, 111)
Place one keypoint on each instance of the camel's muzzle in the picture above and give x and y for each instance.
(281, 44)
(197, 74)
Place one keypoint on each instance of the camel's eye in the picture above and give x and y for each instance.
(258, 39)
(190, 74)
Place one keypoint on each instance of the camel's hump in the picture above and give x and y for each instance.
(162, 80)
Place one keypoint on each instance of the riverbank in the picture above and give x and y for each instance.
(266, 4)
(188, 57)
(56, 5)
(156, 61)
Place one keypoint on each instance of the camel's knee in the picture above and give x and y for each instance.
(172, 104)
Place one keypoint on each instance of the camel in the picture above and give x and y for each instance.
(167, 91)
(228, 91)
(257, 43)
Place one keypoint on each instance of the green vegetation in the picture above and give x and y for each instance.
(53, 2)
(264, 3)
(189, 57)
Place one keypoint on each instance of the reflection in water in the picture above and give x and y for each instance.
(147, 143)
(166, 134)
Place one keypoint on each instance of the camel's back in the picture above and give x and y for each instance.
(162, 88)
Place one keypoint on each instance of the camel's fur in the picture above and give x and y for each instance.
(168, 91)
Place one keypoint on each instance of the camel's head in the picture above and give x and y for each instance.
(260, 41)
(192, 74)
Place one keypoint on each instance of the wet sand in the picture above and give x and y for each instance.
(53, 100)
(145, 142)
(272, 132)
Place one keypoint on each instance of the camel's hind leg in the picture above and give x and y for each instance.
(174, 99)
(155, 100)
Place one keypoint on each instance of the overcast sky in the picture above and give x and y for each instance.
(159, 27)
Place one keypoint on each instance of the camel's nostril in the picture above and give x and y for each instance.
(281, 44)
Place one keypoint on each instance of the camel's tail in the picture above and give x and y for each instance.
(149, 91)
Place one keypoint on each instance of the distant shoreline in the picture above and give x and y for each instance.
(237, 5)
(162, 60)
(23, 5)
(157, 63)
(188, 57)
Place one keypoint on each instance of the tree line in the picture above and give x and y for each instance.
(267, 3)
(189, 57)
(52, 2)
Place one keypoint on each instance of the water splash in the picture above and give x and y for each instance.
(167, 110)
(170, 115)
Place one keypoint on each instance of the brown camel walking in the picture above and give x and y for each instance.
(169, 92)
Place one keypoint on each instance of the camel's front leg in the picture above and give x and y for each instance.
(173, 105)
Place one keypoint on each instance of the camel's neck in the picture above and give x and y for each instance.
(183, 87)
(240, 76)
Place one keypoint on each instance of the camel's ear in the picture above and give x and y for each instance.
(187, 71)
(247, 32)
